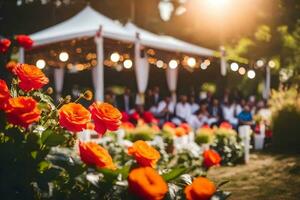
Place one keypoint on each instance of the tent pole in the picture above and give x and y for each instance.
(98, 71)
(21, 55)
(223, 61)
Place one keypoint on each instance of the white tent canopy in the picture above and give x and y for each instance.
(86, 23)
(166, 42)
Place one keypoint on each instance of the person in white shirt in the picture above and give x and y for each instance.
(229, 112)
(194, 106)
(183, 110)
(165, 109)
(183, 113)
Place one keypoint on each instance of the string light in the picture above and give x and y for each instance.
(260, 63)
(191, 61)
(272, 64)
(207, 62)
(63, 56)
(115, 57)
(173, 64)
(234, 67)
(251, 74)
(242, 70)
(127, 64)
(203, 66)
(159, 63)
(41, 64)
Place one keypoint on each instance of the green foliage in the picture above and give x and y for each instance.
(209, 87)
(263, 33)
(229, 146)
(285, 105)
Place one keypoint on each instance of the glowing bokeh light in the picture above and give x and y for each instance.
(63, 56)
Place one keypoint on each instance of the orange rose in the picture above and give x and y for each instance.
(22, 111)
(4, 94)
(11, 66)
(186, 127)
(93, 154)
(147, 184)
(144, 154)
(74, 117)
(179, 131)
(4, 45)
(200, 189)
(31, 77)
(225, 125)
(105, 116)
(211, 158)
(24, 41)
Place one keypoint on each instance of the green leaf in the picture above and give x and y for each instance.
(109, 175)
(45, 135)
(44, 165)
(52, 139)
(124, 171)
(173, 174)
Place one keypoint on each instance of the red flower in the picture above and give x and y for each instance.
(135, 116)
(22, 111)
(4, 94)
(105, 116)
(125, 117)
(31, 77)
(4, 45)
(24, 41)
(225, 125)
(148, 117)
(211, 158)
(74, 117)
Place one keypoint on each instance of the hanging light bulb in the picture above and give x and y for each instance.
(260, 63)
(207, 62)
(272, 64)
(40, 64)
(251, 74)
(203, 66)
(242, 70)
(173, 64)
(63, 56)
(159, 63)
(234, 67)
(191, 61)
(115, 57)
(127, 64)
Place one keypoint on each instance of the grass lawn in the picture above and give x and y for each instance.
(267, 177)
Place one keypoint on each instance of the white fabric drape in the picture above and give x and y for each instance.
(141, 71)
(172, 76)
(58, 81)
(98, 71)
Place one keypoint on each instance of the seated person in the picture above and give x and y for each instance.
(165, 109)
(245, 117)
(126, 102)
(216, 113)
(194, 106)
(182, 111)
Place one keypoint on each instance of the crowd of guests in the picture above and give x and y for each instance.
(196, 111)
